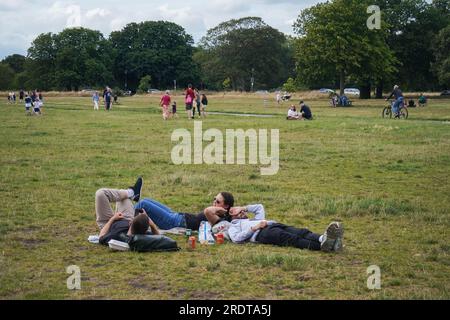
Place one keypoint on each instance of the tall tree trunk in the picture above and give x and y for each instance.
(342, 82)
(365, 91)
(379, 93)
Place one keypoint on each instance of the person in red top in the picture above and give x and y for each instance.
(189, 100)
(165, 103)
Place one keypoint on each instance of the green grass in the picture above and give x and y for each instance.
(387, 180)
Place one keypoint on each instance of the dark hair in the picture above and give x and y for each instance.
(138, 211)
(140, 224)
(228, 199)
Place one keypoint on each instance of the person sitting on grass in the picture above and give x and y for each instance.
(422, 100)
(305, 111)
(258, 230)
(293, 114)
(126, 220)
(166, 218)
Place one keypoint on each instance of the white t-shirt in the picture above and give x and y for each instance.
(293, 114)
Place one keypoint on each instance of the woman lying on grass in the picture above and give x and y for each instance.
(166, 218)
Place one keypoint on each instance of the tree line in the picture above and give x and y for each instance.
(332, 47)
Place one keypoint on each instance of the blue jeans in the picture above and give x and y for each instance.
(397, 104)
(164, 217)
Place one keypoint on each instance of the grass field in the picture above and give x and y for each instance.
(387, 180)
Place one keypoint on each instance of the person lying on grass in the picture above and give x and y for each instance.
(166, 218)
(126, 220)
(258, 230)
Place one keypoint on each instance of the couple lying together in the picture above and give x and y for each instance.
(234, 222)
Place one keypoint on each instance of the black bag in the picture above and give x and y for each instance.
(149, 243)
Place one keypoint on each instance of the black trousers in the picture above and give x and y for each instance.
(282, 235)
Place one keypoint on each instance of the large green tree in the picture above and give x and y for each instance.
(412, 26)
(16, 62)
(335, 44)
(441, 48)
(6, 76)
(243, 50)
(41, 66)
(160, 49)
(73, 58)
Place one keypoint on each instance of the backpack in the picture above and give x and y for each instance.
(149, 243)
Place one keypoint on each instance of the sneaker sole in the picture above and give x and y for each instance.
(338, 246)
(334, 234)
(335, 230)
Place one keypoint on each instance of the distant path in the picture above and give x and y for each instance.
(243, 114)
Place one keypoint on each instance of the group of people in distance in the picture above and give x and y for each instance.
(337, 100)
(34, 102)
(304, 113)
(107, 99)
(191, 96)
(148, 216)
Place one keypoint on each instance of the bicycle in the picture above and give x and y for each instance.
(403, 112)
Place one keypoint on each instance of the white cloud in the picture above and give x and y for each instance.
(117, 24)
(25, 19)
(229, 6)
(97, 12)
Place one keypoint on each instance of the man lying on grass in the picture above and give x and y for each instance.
(126, 219)
(258, 230)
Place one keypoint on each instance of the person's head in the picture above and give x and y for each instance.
(302, 103)
(167, 92)
(396, 87)
(224, 200)
(189, 86)
(174, 103)
(140, 224)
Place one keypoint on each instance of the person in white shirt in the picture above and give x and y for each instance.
(293, 114)
(95, 99)
(37, 107)
(259, 230)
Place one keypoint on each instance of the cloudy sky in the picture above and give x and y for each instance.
(22, 20)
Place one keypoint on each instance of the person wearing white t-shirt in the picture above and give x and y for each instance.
(293, 114)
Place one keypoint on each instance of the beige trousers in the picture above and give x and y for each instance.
(103, 210)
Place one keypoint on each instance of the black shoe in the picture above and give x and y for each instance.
(137, 188)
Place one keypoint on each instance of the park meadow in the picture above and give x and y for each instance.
(385, 179)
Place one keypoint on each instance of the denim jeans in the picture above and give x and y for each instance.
(397, 104)
(164, 217)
